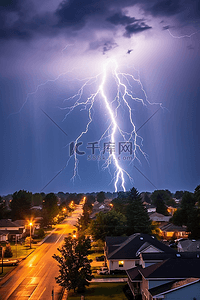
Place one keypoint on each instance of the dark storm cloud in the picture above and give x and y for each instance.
(166, 27)
(11, 5)
(166, 8)
(121, 19)
(75, 12)
(135, 28)
(103, 45)
(18, 20)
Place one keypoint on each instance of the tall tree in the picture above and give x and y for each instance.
(74, 266)
(180, 216)
(21, 205)
(164, 194)
(50, 208)
(37, 199)
(137, 216)
(3, 208)
(161, 208)
(111, 223)
(197, 194)
(101, 196)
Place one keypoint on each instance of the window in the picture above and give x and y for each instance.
(121, 263)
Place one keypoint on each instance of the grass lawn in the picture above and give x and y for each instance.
(21, 251)
(101, 291)
(94, 255)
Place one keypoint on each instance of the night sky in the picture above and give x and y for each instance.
(54, 57)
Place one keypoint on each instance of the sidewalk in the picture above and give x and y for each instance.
(109, 279)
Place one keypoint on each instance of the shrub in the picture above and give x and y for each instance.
(8, 251)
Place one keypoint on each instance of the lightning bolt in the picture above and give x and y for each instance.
(124, 95)
(183, 36)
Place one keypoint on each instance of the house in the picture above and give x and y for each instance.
(14, 230)
(99, 207)
(123, 253)
(171, 210)
(188, 245)
(150, 208)
(177, 278)
(169, 231)
(3, 235)
(159, 218)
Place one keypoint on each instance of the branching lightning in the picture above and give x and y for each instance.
(123, 96)
(183, 36)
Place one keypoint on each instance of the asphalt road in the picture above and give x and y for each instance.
(34, 278)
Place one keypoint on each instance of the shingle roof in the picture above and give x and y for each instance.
(7, 223)
(134, 274)
(173, 268)
(165, 288)
(190, 245)
(115, 240)
(129, 248)
(158, 217)
(171, 227)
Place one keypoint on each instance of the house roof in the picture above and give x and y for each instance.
(171, 227)
(168, 287)
(189, 245)
(128, 249)
(4, 232)
(21, 223)
(134, 274)
(173, 268)
(160, 256)
(7, 223)
(158, 217)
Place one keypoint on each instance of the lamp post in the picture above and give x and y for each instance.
(2, 258)
(30, 224)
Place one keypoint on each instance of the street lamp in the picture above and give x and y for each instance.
(30, 224)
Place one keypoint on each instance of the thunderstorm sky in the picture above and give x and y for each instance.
(53, 56)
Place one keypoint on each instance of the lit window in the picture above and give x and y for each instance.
(121, 263)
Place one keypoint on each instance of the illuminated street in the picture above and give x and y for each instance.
(34, 278)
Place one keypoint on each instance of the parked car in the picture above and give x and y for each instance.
(100, 258)
(103, 271)
(7, 262)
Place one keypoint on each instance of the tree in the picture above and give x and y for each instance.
(193, 224)
(164, 194)
(8, 251)
(37, 199)
(112, 223)
(188, 214)
(161, 208)
(3, 208)
(21, 205)
(50, 208)
(178, 194)
(137, 216)
(101, 196)
(197, 194)
(74, 266)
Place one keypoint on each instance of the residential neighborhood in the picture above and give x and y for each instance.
(139, 246)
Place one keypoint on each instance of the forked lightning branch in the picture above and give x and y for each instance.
(124, 98)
